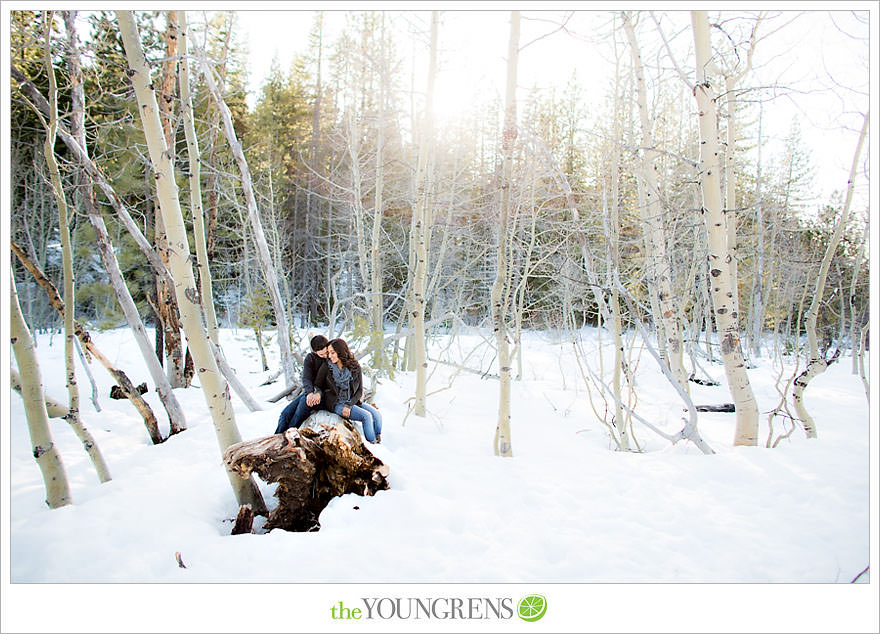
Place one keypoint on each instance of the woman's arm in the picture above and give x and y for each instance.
(357, 387)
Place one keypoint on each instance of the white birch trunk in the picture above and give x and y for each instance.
(652, 216)
(503, 442)
(195, 186)
(73, 417)
(124, 382)
(818, 363)
(854, 348)
(377, 315)
(268, 268)
(44, 450)
(730, 211)
(724, 308)
(214, 388)
(611, 225)
(54, 408)
(422, 227)
(166, 308)
(758, 286)
(176, 417)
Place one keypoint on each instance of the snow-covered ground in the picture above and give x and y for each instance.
(566, 509)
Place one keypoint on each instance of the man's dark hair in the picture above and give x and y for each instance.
(319, 342)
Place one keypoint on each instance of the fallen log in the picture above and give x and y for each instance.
(724, 407)
(693, 379)
(118, 393)
(312, 465)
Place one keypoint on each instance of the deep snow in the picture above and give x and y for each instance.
(566, 509)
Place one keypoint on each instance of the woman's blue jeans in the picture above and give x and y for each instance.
(367, 415)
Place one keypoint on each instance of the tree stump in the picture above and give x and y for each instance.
(311, 465)
(244, 522)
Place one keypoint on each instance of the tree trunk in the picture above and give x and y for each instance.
(611, 226)
(758, 285)
(854, 347)
(269, 274)
(176, 417)
(73, 416)
(817, 362)
(652, 216)
(45, 452)
(724, 311)
(214, 387)
(55, 409)
(730, 209)
(377, 314)
(502, 443)
(236, 385)
(166, 304)
(422, 227)
(124, 382)
(311, 467)
(28, 88)
(195, 187)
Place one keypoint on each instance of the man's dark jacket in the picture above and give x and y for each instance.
(311, 364)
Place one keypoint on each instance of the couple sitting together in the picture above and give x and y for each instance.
(332, 380)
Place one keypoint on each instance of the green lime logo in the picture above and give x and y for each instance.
(532, 608)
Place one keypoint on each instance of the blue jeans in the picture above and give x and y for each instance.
(295, 413)
(367, 415)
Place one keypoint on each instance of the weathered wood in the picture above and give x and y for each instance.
(85, 338)
(118, 393)
(244, 523)
(312, 465)
(724, 407)
(693, 379)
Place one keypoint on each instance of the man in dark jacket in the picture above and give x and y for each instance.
(303, 405)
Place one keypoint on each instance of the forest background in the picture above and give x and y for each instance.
(349, 191)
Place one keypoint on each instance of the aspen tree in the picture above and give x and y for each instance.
(45, 452)
(854, 347)
(502, 442)
(757, 305)
(72, 416)
(731, 81)
(270, 276)
(195, 187)
(315, 173)
(166, 309)
(54, 408)
(121, 378)
(652, 216)
(817, 363)
(77, 135)
(724, 307)
(611, 226)
(214, 387)
(421, 211)
(377, 314)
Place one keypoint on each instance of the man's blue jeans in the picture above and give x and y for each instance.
(295, 413)
(367, 415)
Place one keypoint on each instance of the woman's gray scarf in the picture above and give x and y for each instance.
(342, 379)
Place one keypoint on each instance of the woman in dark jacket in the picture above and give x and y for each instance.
(341, 379)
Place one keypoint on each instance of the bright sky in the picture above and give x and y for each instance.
(473, 48)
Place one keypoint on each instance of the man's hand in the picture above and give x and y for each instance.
(313, 399)
(346, 412)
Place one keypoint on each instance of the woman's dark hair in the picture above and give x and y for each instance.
(318, 342)
(344, 354)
